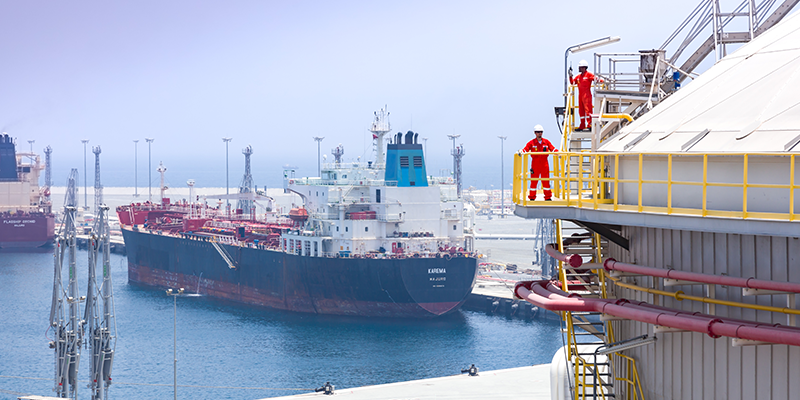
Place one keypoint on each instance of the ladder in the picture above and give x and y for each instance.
(225, 256)
(592, 374)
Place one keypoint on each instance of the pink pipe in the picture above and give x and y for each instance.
(573, 260)
(542, 294)
(723, 319)
(751, 283)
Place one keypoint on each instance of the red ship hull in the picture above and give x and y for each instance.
(26, 230)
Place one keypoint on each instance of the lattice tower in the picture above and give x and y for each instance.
(98, 188)
(247, 183)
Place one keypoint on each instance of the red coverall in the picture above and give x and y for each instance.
(539, 166)
(584, 81)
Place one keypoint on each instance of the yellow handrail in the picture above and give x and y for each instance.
(618, 116)
(597, 170)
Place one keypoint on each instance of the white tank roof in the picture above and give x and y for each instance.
(747, 101)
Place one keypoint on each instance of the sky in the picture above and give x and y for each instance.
(274, 74)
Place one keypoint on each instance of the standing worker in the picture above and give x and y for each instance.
(539, 166)
(584, 81)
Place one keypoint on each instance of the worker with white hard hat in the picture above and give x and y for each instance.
(584, 81)
(540, 169)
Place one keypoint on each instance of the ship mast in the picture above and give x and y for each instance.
(458, 154)
(67, 342)
(247, 184)
(47, 181)
(379, 128)
(161, 169)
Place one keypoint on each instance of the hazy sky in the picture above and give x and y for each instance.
(275, 73)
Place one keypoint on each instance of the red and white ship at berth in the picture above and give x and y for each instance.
(25, 217)
(377, 239)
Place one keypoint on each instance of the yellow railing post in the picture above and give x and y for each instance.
(705, 184)
(744, 188)
(616, 182)
(641, 157)
(669, 184)
(792, 187)
(580, 180)
(517, 182)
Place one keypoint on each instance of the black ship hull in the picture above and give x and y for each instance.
(388, 287)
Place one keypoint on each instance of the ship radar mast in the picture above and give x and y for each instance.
(338, 152)
(458, 154)
(379, 128)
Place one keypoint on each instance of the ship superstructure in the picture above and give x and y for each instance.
(355, 209)
(369, 240)
(684, 262)
(26, 219)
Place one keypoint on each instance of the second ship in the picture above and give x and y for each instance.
(382, 239)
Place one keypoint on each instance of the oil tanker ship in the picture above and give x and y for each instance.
(377, 239)
(26, 220)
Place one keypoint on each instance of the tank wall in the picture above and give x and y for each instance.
(688, 365)
(720, 170)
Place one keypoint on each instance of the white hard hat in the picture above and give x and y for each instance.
(583, 63)
(538, 128)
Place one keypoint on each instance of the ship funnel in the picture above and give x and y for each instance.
(405, 162)
(8, 159)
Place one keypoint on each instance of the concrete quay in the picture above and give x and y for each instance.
(523, 383)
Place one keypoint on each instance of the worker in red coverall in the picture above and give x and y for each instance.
(539, 166)
(584, 81)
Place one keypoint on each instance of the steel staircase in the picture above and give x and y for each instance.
(593, 375)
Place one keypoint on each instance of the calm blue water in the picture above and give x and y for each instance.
(227, 345)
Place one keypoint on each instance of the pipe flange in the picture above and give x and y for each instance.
(710, 324)
(621, 302)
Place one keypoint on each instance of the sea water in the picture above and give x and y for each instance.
(229, 351)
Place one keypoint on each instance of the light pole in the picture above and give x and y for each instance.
(175, 334)
(502, 180)
(149, 170)
(583, 47)
(319, 142)
(31, 143)
(227, 190)
(136, 168)
(85, 185)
